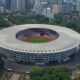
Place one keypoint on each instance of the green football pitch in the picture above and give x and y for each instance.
(38, 40)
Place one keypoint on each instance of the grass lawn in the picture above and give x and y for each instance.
(38, 40)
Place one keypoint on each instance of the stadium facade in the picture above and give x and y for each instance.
(16, 43)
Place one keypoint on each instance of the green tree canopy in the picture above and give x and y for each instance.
(39, 73)
(4, 23)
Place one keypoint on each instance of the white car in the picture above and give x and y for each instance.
(9, 69)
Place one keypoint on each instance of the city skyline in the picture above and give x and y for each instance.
(47, 8)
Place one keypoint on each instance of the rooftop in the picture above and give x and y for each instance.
(67, 39)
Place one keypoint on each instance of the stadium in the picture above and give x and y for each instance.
(38, 43)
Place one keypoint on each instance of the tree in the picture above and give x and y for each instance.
(58, 18)
(71, 25)
(28, 19)
(4, 23)
(49, 73)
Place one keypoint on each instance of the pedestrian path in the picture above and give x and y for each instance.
(15, 77)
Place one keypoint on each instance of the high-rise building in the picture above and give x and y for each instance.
(18, 5)
(49, 13)
(37, 6)
(8, 4)
(60, 2)
(2, 6)
(70, 1)
(29, 4)
(2, 3)
(56, 8)
(66, 8)
(78, 5)
(2, 9)
(57, 1)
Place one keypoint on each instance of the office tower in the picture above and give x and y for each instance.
(56, 8)
(2, 3)
(1, 9)
(8, 4)
(2, 6)
(70, 1)
(66, 8)
(49, 13)
(78, 5)
(59, 2)
(36, 6)
(55, 1)
(39, 6)
(29, 4)
(18, 5)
